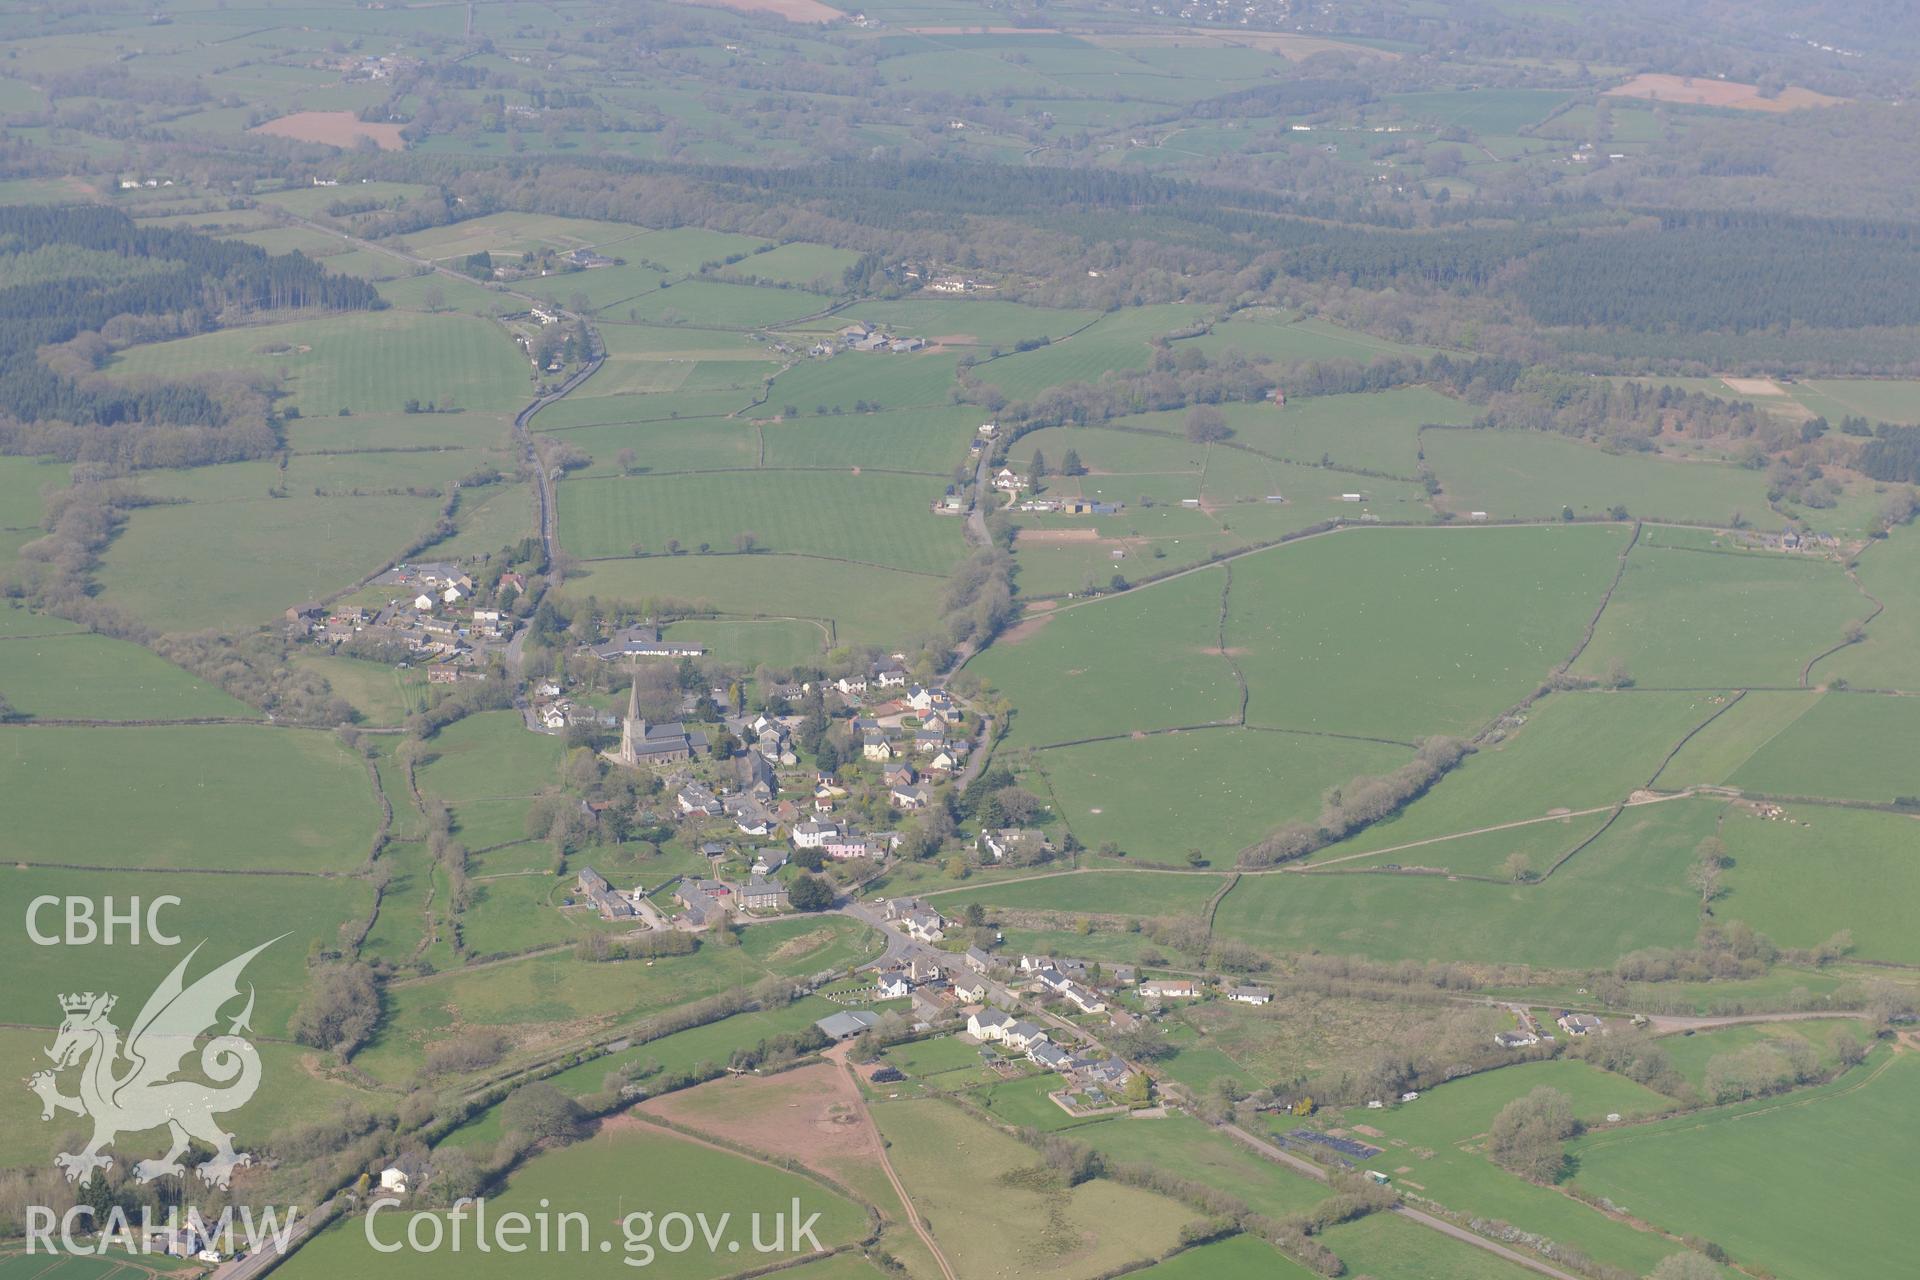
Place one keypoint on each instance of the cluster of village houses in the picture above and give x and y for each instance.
(912, 761)
(948, 986)
(435, 613)
(702, 902)
(553, 710)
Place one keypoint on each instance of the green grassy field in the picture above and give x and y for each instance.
(1882, 399)
(680, 250)
(871, 519)
(1024, 1103)
(370, 362)
(514, 911)
(865, 604)
(777, 644)
(17, 622)
(686, 1050)
(298, 548)
(537, 999)
(1848, 746)
(714, 304)
(1215, 790)
(1186, 1147)
(1575, 751)
(1693, 619)
(489, 519)
(472, 430)
(227, 913)
(1889, 657)
(22, 482)
(222, 797)
(384, 695)
(1401, 633)
(1435, 1147)
(294, 1091)
(639, 1168)
(1122, 893)
(1143, 660)
(1533, 475)
(1076, 568)
(1623, 892)
(409, 908)
(1821, 1212)
(797, 263)
(1279, 335)
(1379, 431)
(1478, 852)
(1383, 1245)
(663, 448)
(952, 1166)
(804, 945)
(969, 321)
(929, 440)
(1118, 340)
(925, 1059)
(90, 677)
(1748, 724)
(1481, 110)
(1824, 870)
(1142, 446)
(488, 768)
(516, 232)
(821, 388)
(1236, 1258)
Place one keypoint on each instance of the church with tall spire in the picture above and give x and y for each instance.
(645, 743)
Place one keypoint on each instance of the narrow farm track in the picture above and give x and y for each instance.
(1411, 1214)
(1662, 1023)
(838, 1056)
(545, 507)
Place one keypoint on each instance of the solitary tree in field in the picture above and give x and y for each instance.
(627, 459)
(1517, 868)
(1703, 874)
(1207, 425)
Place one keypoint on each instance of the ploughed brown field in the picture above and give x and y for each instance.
(1703, 92)
(334, 128)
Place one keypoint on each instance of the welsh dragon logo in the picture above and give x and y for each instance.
(129, 1087)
